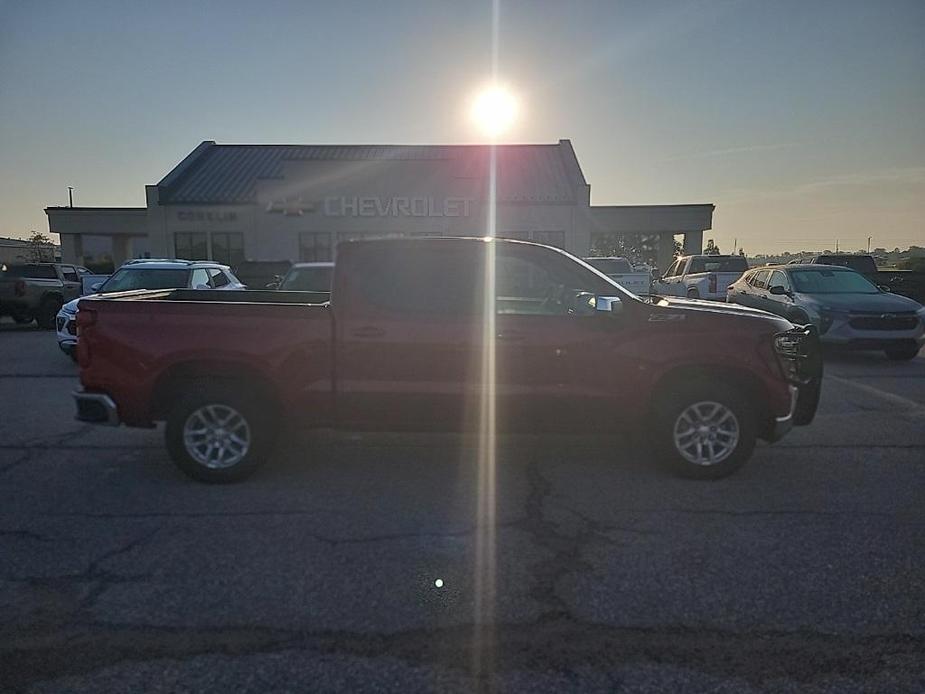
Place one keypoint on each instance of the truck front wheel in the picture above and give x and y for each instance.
(704, 430)
(218, 435)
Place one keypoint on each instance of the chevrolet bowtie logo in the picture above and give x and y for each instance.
(291, 207)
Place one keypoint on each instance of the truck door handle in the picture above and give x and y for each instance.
(368, 331)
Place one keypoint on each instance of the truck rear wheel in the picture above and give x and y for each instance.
(47, 311)
(22, 318)
(693, 293)
(704, 430)
(217, 435)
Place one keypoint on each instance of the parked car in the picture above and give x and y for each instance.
(146, 273)
(405, 327)
(909, 283)
(308, 277)
(621, 271)
(846, 307)
(701, 276)
(36, 291)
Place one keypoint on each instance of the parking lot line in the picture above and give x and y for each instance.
(916, 408)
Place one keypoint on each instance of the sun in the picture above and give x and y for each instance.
(494, 110)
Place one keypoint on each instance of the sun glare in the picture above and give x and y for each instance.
(494, 110)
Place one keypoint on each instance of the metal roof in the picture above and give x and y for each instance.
(228, 174)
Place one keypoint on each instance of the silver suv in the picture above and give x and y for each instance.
(849, 310)
(145, 273)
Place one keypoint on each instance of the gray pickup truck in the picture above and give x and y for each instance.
(36, 291)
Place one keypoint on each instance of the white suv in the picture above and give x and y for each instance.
(147, 274)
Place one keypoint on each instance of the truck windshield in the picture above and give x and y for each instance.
(732, 263)
(610, 266)
(145, 278)
(308, 279)
(39, 272)
(831, 281)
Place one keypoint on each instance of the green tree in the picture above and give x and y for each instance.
(712, 248)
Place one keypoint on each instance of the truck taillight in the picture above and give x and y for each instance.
(19, 289)
(712, 284)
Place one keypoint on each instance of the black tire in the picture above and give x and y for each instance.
(693, 294)
(22, 318)
(904, 353)
(667, 414)
(258, 417)
(47, 312)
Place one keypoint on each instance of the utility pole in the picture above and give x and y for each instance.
(868, 245)
(836, 245)
(70, 196)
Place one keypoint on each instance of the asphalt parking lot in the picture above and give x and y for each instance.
(804, 572)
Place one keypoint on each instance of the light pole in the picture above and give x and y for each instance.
(70, 196)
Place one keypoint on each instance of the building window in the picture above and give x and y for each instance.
(191, 245)
(550, 238)
(228, 247)
(315, 247)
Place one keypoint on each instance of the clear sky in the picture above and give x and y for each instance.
(803, 121)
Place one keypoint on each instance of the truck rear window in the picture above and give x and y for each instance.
(610, 266)
(732, 263)
(39, 272)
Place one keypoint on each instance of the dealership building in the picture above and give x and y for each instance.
(296, 202)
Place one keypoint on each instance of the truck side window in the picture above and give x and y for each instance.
(526, 285)
(422, 281)
(70, 274)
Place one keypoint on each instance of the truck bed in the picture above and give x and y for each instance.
(131, 342)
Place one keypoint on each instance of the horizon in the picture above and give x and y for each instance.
(801, 124)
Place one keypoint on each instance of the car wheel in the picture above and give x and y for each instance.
(704, 430)
(904, 353)
(48, 310)
(693, 294)
(22, 318)
(217, 434)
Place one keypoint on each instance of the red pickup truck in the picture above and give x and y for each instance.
(400, 343)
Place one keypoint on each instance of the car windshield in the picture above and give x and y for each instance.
(308, 279)
(831, 281)
(610, 266)
(145, 278)
(734, 263)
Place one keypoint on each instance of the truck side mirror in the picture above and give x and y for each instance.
(95, 287)
(778, 290)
